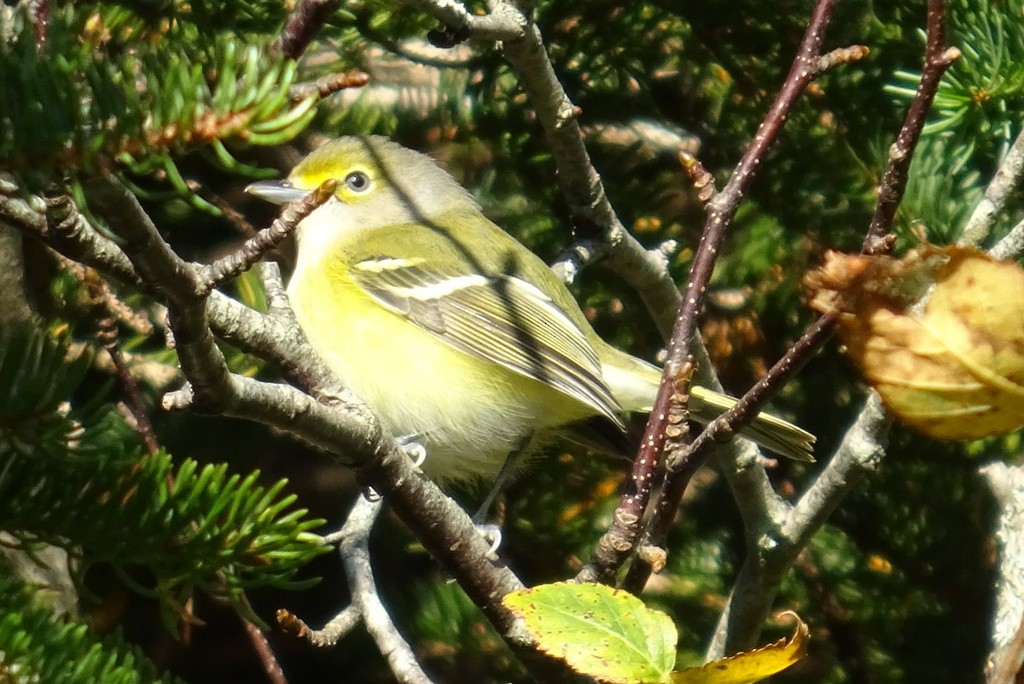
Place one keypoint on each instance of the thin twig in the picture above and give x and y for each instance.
(668, 412)
(303, 25)
(328, 85)
(102, 302)
(226, 268)
(355, 554)
(366, 605)
(271, 666)
(1006, 179)
(844, 55)
(330, 634)
(770, 554)
(937, 59)
(703, 181)
(107, 332)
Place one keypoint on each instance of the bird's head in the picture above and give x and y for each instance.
(380, 183)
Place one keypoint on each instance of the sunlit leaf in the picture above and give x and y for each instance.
(954, 370)
(752, 666)
(600, 632)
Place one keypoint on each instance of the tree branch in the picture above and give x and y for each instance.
(1006, 179)
(663, 442)
(504, 22)
(179, 285)
(304, 23)
(355, 553)
(1012, 245)
(243, 258)
(772, 549)
(1007, 485)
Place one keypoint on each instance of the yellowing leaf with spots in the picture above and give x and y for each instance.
(600, 632)
(752, 666)
(953, 369)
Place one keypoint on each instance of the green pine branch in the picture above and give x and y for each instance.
(37, 647)
(109, 89)
(77, 478)
(978, 90)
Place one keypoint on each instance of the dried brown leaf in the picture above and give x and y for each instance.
(954, 370)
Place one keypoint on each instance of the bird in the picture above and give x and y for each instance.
(458, 337)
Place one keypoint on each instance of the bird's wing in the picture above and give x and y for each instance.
(502, 319)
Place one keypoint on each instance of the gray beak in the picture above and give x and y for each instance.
(276, 191)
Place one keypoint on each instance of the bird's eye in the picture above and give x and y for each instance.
(357, 181)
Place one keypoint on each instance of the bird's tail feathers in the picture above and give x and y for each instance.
(634, 384)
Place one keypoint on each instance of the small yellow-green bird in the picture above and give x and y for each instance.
(456, 335)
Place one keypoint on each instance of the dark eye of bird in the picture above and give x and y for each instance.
(357, 181)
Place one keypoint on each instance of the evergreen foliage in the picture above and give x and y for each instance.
(34, 647)
(77, 478)
(111, 88)
(164, 93)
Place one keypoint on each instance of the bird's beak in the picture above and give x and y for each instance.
(276, 191)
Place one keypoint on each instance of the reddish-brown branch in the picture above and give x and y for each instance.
(721, 209)
(688, 458)
(703, 181)
(268, 660)
(894, 181)
(39, 15)
(303, 25)
(328, 85)
(759, 581)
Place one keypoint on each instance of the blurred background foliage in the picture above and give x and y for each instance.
(188, 102)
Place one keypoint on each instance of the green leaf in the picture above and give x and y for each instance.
(599, 631)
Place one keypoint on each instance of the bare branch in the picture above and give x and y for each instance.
(304, 23)
(937, 59)
(1012, 245)
(1007, 485)
(366, 606)
(771, 551)
(504, 22)
(328, 85)
(721, 210)
(670, 408)
(355, 553)
(154, 260)
(703, 181)
(68, 233)
(1006, 179)
(340, 625)
(244, 257)
(265, 653)
(846, 55)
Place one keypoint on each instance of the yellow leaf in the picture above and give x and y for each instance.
(752, 666)
(954, 370)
